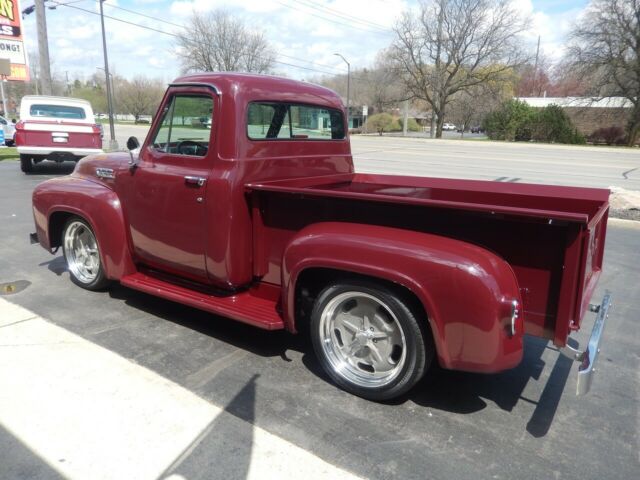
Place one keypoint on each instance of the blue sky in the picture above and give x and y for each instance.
(305, 33)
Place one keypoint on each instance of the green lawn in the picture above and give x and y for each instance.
(9, 153)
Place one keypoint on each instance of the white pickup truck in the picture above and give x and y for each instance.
(57, 129)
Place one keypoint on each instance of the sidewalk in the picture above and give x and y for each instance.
(83, 412)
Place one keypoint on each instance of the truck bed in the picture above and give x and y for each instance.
(553, 237)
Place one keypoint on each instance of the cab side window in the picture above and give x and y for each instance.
(186, 126)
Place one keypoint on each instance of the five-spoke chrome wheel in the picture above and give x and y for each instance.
(368, 339)
(82, 255)
(362, 339)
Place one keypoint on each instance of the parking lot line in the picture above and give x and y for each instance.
(89, 413)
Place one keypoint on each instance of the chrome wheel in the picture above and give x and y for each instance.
(362, 339)
(81, 252)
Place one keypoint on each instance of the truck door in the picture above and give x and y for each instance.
(166, 205)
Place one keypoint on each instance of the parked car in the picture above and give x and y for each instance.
(477, 129)
(449, 127)
(57, 129)
(9, 129)
(262, 219)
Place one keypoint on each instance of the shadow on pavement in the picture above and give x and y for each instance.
(52, 168)
(18, 460)
(223, 449)
(451, 391)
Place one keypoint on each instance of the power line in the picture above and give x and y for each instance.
(179, 36)
(184, 27)
(346, 16)
(344, 24)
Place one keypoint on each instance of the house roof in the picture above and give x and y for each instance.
(577, 102)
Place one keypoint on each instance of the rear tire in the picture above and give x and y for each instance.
(369, 339)
(26, 163)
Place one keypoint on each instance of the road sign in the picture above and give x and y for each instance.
(11, 42)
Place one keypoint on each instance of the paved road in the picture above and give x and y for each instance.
(222, 397)
(484, 160)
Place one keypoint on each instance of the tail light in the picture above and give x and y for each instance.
(20, 125)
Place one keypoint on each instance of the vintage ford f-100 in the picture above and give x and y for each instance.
(243, 201)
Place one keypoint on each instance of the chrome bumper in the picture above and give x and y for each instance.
(588, 357)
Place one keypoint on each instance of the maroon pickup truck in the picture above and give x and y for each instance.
(243, 201)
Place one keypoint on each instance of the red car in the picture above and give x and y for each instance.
(57, 129)
(261, 218)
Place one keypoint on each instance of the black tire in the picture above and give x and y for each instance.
(9, 143)
(351, 359)
(26, 163)
(94, 278)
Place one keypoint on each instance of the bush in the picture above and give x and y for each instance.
(518, 121)
(608, 135)
(412, 125)
(512, 121)
(380, 122)
(396, 125)
(552, 124)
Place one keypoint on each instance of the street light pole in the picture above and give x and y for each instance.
(348, 86)
(113, 144)
(113, 88)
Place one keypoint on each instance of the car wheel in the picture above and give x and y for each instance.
(26, 163)
(369, 340)
(82, 253)
(9, 143)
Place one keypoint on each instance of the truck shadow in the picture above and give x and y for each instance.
(462, 392)
(246, 337)
(450, 391)
(52, 168)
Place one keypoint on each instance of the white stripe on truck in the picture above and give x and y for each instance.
(57, 127)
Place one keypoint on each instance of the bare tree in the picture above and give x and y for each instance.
(605, 46)
(218, 41)
(453, 45)
(141, 96)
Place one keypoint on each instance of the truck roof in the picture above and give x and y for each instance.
(55, 100)
(265, 87)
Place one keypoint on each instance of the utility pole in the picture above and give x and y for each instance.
(113, 144)
(43, 48)
(348, 85)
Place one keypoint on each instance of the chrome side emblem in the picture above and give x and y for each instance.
(105, 173)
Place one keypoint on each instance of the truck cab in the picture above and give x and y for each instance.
(243, 201)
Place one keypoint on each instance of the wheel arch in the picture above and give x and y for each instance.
(462, 289)
(54, 203)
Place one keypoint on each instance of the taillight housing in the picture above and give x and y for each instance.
(20, 125)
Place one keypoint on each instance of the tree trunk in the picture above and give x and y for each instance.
(634, 126)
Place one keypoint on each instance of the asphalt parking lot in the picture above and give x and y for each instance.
(269, 399)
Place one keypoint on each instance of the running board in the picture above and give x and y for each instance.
(257, 306)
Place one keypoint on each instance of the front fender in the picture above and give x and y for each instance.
(466, 290)
(98, 205)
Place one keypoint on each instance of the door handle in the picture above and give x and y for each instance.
(191, 180)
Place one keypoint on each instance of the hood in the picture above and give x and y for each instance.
(103, 167)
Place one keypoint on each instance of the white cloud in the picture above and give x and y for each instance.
(358, 29)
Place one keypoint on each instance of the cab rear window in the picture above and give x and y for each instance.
(287, 121)
(57, 111)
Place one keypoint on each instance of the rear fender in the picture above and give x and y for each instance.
(55, 200)
(466, 291)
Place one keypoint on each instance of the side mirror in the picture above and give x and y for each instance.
(133, 144)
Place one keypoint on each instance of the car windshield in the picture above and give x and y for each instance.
(57, 111)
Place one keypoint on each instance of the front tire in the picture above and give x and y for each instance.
(26, 163)
(82, 253)
(369, 340)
